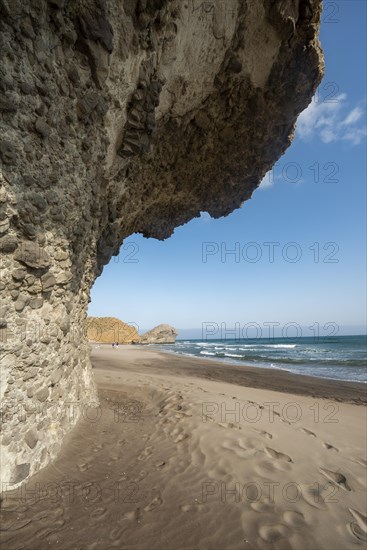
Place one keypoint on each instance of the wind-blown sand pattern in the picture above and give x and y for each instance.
(172, 460)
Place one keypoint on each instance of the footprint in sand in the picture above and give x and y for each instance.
(84, 466)
(98, 513)
(293, 518)
(133, 515)
(218, 472)
(193, 508)
(262, 506)
(277, 455)
(336, 477)
(330, 447)
(226, 425)
(116, 533)
(272, 533)
(146, 453)
(178, 435)
(308, 432)
(264, 433)
(114, 457)
(358, 527)
(241, 447)
(157, 501)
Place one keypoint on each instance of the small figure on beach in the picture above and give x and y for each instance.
(117, 344)
(113, 344)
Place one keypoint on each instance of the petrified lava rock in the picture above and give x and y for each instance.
(122, 116)
(162, 334)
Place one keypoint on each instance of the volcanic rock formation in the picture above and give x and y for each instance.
(109, 330)
(162, 334)
(121, 117)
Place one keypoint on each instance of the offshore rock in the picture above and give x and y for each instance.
(162, 334)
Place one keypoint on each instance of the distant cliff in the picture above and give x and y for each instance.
(109, 329)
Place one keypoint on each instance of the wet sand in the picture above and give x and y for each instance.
(253, 377)
(191, 454)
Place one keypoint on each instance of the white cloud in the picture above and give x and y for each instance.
(328, 135)
(329, 121)
(355, 136)
(353, 117)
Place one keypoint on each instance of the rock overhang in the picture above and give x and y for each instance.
(121, 118)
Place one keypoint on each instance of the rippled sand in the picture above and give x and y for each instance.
(182, 454)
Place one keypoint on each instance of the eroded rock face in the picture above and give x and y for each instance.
(162, 334)
(122, 116)
(110, 330)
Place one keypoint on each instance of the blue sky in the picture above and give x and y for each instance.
(311, 207)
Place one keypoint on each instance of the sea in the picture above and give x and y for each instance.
(336, 357)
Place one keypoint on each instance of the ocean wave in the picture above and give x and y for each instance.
(204, 344)
(280, 346)
(259, 347)
(269, 359)
(345, 361)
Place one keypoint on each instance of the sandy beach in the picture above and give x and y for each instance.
(192, 454)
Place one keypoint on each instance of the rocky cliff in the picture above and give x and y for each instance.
(162, 334)
(117, 117)
(108, 330)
